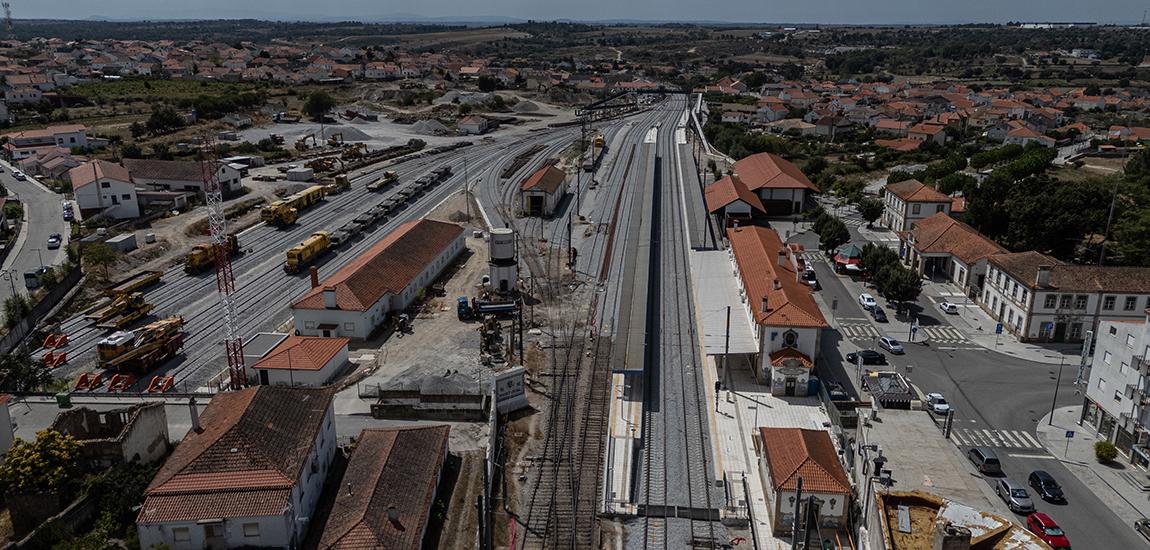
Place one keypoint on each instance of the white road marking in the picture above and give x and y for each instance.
(1048, 457)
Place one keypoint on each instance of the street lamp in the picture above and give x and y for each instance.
(1057, 382)
(11, 276)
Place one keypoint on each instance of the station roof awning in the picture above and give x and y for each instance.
(716, 289)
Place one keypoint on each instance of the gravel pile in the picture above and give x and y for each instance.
(525, 107)
(430, 127)
(349, 134)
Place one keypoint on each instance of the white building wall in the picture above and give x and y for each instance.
(314, 378)
(273, 532)
(112, 199)
(72, 139)
(1113, 368)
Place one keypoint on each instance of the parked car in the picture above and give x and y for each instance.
(1042, 525)
(891, 345)
(1044, 485)
(867, 301)
(808, 278)
(938, 404)
(948, 307)
(68, 215)
(878, 314)
(1143, 527)
(1014, 495)
(836, 391)
(869, 357)
(19, 175)
(54, 241)
(985, 460)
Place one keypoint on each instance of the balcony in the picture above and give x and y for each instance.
(1142, 365)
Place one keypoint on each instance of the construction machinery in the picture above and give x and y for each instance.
(118, 306)
(389, 177)
(133, 283)
(135, 310)
(301, 143)
(600, 141)
(324, 164)
(284, 212)
(476, 308)
(142, 349)
(335, 140)
(338, 186)
(353, 151)
(306, 252)
(276, 139)
(202, 257)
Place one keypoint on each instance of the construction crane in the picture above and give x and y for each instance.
(225, 282)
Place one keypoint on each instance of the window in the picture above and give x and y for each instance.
(1108, 303)
(1118, 396)
(105, 185)
(181, 534)
(309, 324)
(126, 197)
(1107, 357)
(1051, 301)
(916, 209)
(998, 278)
(1080, 301)
(1101, 383)
(1113, 331)
(251, 529)
(1130, 304)
(349, 327)
(1076, 331)
(1025, 295)
(1065, 301)
(1122, 368)
(1130, 341)
(938, 208)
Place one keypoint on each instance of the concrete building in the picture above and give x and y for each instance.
(395, 473)
(102, 187)
(27, 143)
(248, 474)
(472, 125)
(1117, 401)
(787, 454)
(908, 201)
(788, 323)
(122, 436)
(504, 260)
(288, 360)
(540, 193)
(781, 186)
(386, 278)
(943, 247)
(1039, 298)
(729, 199)
(180, 175)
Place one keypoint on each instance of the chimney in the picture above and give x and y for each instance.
(1043, 277)
(736, 225)
(194, 411)
(948, 536)
(777, 284)
(329, 297)
(764, 308)
(783, 258)
(314, 276)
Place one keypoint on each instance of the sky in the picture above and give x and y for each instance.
(738, 11)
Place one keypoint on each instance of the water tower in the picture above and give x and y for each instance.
(504, 262)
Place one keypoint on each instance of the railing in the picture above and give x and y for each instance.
(1142, 365)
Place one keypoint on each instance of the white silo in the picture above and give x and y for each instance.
(504, 262)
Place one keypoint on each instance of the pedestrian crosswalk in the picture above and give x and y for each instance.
(858, 331)
(941, 335)
(1007, 439)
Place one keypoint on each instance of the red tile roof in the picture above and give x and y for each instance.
(390, 468)
(904, 144)
(792, 453)
(766, 170)
(785, 357)
(728, 190)
(916, 191)
(251, 450)
(95, 170)
(174, 170)
(548, 179)
(387, 267)
(1023, 266)
(302, 353)
(791, 304)
(942, 234)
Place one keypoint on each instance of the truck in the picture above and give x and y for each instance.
(600, 141)
(405, 195)
(383, 181)
(284, 212)
(142, 349)
(202, 257)
(340, 185)
(476, 308)
(442, 173)
(340, 237)
(133, 283)
(306, 252)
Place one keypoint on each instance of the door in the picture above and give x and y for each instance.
(1059, 331)
(214, 536)
(264, 377)
(326, 333)
(789, 388)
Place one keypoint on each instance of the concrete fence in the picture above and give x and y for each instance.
(18, 333)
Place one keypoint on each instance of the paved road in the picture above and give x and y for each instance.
(998, 401)
(43, 216)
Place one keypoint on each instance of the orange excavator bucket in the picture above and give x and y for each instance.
(89, 381)
(121, 382)
(53, 359)
(161, 384)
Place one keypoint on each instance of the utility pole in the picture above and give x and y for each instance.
(466, 189)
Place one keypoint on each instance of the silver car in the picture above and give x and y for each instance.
(1015, 496)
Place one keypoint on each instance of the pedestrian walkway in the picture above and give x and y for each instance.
(1005, 439)
(942, 335)
(857, 331)
(1111, 483)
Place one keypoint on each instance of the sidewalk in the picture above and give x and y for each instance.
(1108, 482)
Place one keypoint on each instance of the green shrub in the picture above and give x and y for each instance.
(1105, 451)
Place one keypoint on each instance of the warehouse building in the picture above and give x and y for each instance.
(541, 192)
(386, 278)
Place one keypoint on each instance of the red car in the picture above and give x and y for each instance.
(1050, 533)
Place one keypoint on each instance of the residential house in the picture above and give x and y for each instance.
(24, 144)
(908, 201)
(941, 246)
(1117, 403)
(290, 360)
(385, 278)
(393, 477)
(782, 187)
(927, 133)
(181, 175)
(1038, 297)
(104, 188)
(248, 474)
(787, 455)
(22, 94)
(541, 192)
(729, 200)
(897, 128)
(787, 319)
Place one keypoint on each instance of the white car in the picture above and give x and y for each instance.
(948, 307)
(867, 301)
(19, 175)
(891, 345)
(938, 404)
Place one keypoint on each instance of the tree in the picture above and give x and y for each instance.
(163, 120)
(900, 284)
(100, 256)
(51, 463)
(138, 130)
(21, 373)
(899, 175)
(875, 257)
(1105, 451)
(955, 182)
(131, 151)
(318, 104)
(15, 308)
(870, 209)
(464, 109)
(834, 235)
(487, 83)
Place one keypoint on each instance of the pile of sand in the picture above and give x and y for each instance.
(525, 107)
(429, 127)
(349, 133)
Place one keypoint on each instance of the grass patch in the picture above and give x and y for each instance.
(157, 90)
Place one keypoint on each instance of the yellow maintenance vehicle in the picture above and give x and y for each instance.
(600, 141)
(387, 179)
(324, 164)
(301, 143)
(353, 151)
(336, 139)
(305, 253)
(202, 257)
(133, 283)
(114, 307)
(142, 349)
(340, 185)
(284, 212)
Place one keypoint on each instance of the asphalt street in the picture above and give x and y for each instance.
(43, 215)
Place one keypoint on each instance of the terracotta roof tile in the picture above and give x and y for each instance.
(766, 170)
(792, 453)
(175, 170)
(756, 251)
(302, 353)
(784, 357)
(1023, 266)
(548, 179)
(942, 234)
(97, 169)
(904, 144)
(231, 504)
(390, 467)
(727, 190)
(387, 267)
(916, 191)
